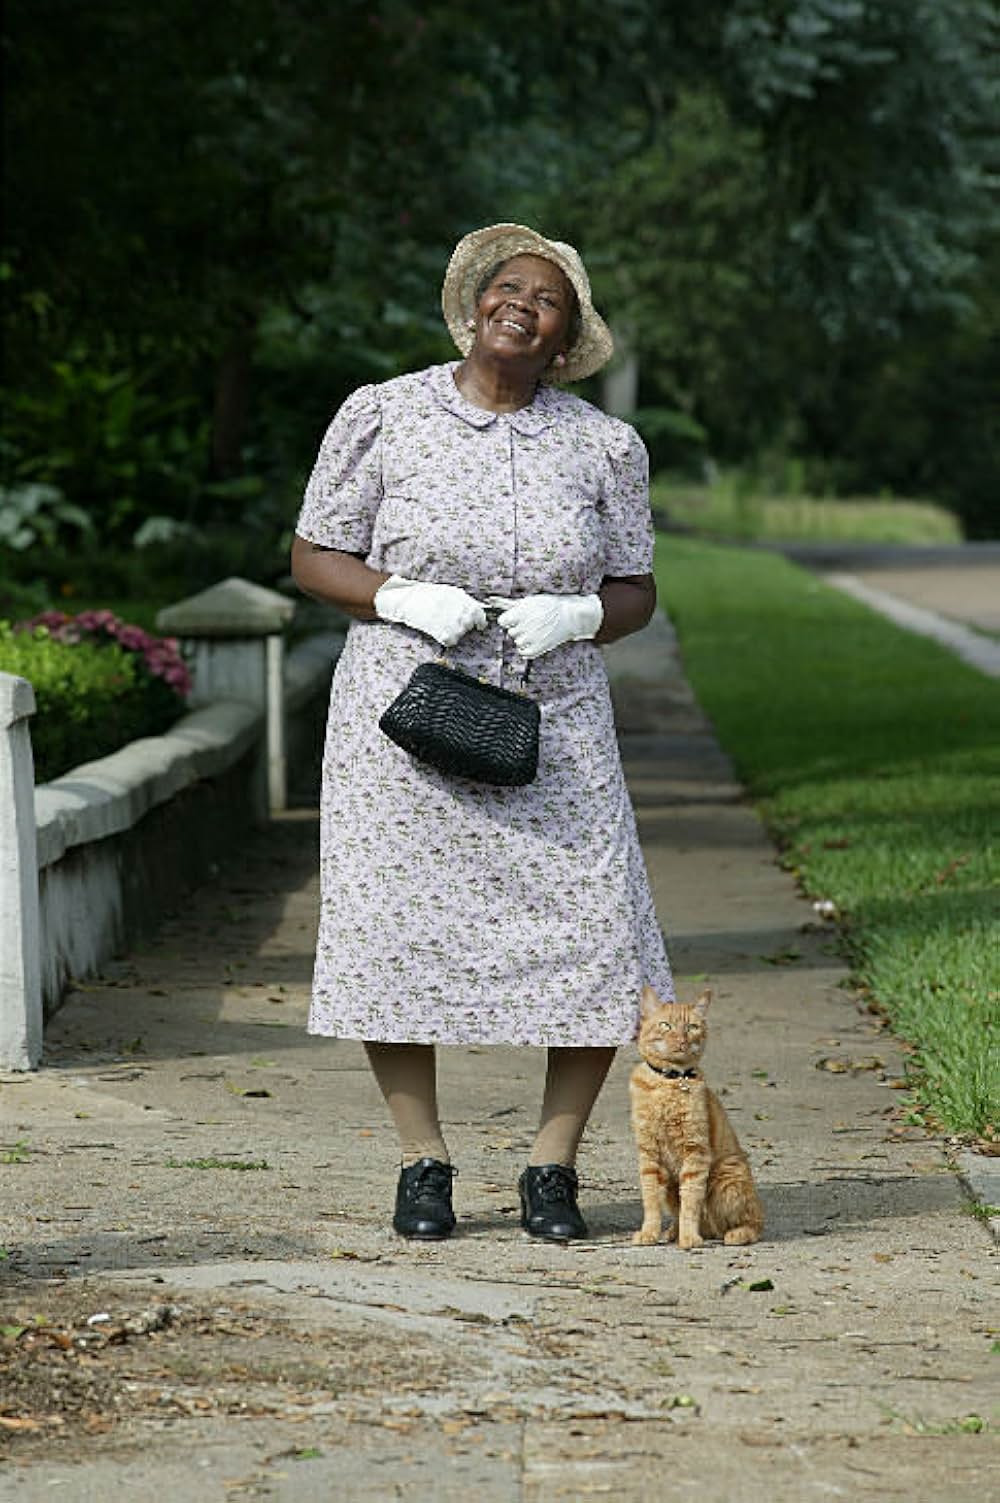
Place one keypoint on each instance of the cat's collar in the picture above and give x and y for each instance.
(673, 1074)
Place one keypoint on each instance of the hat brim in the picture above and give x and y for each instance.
(479, 252)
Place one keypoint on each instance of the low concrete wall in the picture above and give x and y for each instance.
(119, 839)
(116, 842)
(20, 982)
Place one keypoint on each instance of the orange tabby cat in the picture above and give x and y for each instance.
(689, 1155)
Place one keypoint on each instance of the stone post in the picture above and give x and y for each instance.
(20, 961)
(233, 640)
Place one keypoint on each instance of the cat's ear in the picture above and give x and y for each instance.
(649, 1002)
(703, 1003)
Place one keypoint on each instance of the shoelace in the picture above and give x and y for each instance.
(433, 1182)
(557, 1183)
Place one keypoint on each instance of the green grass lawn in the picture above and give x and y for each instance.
(723, 510)
(874, 756)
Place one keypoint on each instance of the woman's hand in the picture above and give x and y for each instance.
(538, 623)
(441, 611)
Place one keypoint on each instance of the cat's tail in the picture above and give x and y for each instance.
(733, 1210)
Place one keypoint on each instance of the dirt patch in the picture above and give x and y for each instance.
(79, 1362)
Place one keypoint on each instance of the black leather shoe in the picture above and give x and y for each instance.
(548, 1203)
(423, 1201)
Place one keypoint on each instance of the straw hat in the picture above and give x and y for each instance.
(478, 253)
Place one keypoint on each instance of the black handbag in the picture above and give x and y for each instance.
(465, 727)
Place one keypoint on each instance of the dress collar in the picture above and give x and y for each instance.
(530, 420)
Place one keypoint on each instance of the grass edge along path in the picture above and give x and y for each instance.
(874, 758)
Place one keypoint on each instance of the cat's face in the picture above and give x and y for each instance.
(672, 1034)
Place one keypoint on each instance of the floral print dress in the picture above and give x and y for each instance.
(454, 912)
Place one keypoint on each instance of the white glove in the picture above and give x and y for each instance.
(538, 623)
(442, 611)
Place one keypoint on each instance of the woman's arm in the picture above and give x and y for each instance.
(341, 579)
(628, 604)
(345, 580)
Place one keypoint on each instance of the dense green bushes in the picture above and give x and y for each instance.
(788, 210)
(138, 581)
(98, 683)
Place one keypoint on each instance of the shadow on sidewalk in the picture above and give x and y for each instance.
(251, 930)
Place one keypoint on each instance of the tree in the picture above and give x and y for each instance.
(193, 189)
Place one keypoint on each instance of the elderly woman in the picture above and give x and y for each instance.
(457, 912)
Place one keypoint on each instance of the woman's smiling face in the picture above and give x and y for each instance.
(525, 310)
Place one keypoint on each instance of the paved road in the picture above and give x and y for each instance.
(311, 1355)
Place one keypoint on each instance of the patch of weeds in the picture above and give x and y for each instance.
(984, 1213)
(242, 1165)
(16, 1153)
(682, 1401)
(782, 957)
(966, 1424)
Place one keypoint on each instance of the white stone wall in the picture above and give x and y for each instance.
(81, 855)
(20, 964)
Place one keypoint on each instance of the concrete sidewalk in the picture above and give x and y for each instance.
(969, 593)
(292, 1348)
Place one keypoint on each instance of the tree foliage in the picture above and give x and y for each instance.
(196, 196)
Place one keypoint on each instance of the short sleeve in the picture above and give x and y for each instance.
(628, 526)
(345, 488)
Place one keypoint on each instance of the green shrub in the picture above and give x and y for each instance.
(91, 698)
(143, 579)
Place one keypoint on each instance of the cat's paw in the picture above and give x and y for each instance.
(687, 1240)
(645, 1237)
(740, 1236)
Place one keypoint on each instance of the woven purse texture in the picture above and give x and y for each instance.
(459, 725)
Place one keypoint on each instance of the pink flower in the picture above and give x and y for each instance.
(161, 657)
(97, 621)
(133, 638)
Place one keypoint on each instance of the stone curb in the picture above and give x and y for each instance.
(981, 1177)
(978, 651)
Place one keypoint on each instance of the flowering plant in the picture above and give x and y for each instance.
(160, 656)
